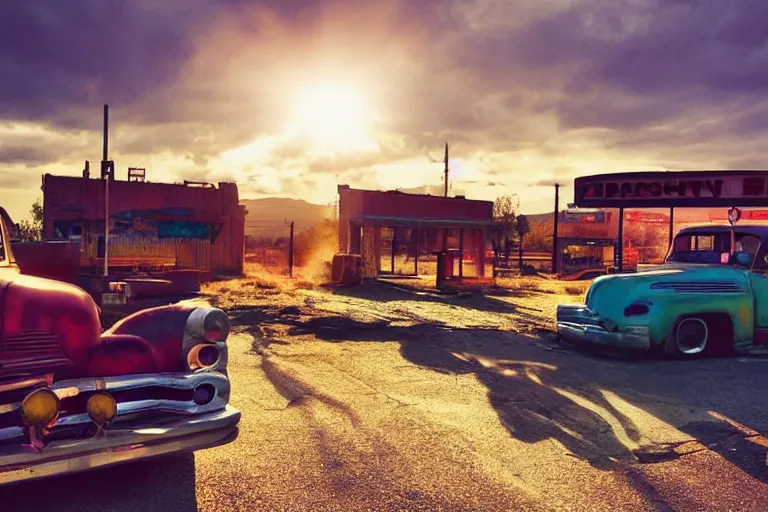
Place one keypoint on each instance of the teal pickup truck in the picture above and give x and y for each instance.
(710, 297)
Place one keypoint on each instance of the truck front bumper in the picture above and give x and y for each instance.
(114, 446)
(578, 325)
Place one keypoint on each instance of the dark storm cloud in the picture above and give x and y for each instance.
(58, 57)
(39, 148)
(628, 65)
(27, 155)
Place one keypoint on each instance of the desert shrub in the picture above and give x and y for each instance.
(576, 289)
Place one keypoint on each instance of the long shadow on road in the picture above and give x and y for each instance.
(521, 390)
(541, 394)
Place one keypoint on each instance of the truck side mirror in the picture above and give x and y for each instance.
(743, 259)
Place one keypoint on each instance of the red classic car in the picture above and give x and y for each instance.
(73, 397)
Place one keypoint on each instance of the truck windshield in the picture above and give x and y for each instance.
(711, 248)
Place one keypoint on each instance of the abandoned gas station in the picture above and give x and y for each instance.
(411, 234)
(669, 190)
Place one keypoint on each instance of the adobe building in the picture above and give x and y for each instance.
(400, 234)
(188, 225)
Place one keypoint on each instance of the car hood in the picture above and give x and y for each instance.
(614, 292)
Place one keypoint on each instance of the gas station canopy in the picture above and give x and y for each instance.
(672, 189)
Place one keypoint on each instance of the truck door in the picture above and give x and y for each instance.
(759, 283)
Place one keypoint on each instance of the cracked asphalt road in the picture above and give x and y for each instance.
(381, 399)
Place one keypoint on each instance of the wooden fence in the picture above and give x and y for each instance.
(137, 252)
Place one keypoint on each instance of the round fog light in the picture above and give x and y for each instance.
(203, 394)
(40, 408)
(102, 408)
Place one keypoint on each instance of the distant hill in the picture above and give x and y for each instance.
(271, 216)
(535, 218)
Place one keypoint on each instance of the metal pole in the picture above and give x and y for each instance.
(416, 257)
(461, 252)
(671, 225)
(106, 226)
(104, 157)
(555, 240)
(621, 239)
(105, 152)
(445, 160)
(290, 253)
(392, 247)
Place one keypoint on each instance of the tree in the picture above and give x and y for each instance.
(522, 227)
(32, 230)
(503, 231)
(539, 236)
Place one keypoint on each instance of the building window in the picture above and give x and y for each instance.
(67, 230)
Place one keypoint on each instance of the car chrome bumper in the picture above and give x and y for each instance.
(578, 325)
(21, 462)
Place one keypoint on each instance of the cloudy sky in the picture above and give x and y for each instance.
(291, 97)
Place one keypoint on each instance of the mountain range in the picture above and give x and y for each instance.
(271, 217)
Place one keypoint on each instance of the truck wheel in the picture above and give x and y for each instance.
(689, 337)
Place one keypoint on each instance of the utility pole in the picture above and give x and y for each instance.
(445, 161)
(555, 241)
(290, 252)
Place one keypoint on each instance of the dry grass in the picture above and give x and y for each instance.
(258, 283)
(544, 285)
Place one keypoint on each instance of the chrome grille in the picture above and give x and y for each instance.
(31, 350)
(699, 286)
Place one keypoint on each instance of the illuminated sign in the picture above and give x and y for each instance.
(669, 189)
(745, 215)
(648, 217)
(754, 215)
(577, 216)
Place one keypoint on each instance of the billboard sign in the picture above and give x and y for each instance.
(672, 189)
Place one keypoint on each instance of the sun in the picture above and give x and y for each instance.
(335, 118)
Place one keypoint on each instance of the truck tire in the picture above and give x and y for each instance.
(689, 338)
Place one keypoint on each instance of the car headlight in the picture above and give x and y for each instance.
(204, 346)
(204, 355)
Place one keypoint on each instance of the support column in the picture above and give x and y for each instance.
(377, 247)
(418, 249)
(555, 254)
(621, 240)
(671, 225)
(461, 252)
(480, 237)
(392, 248)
